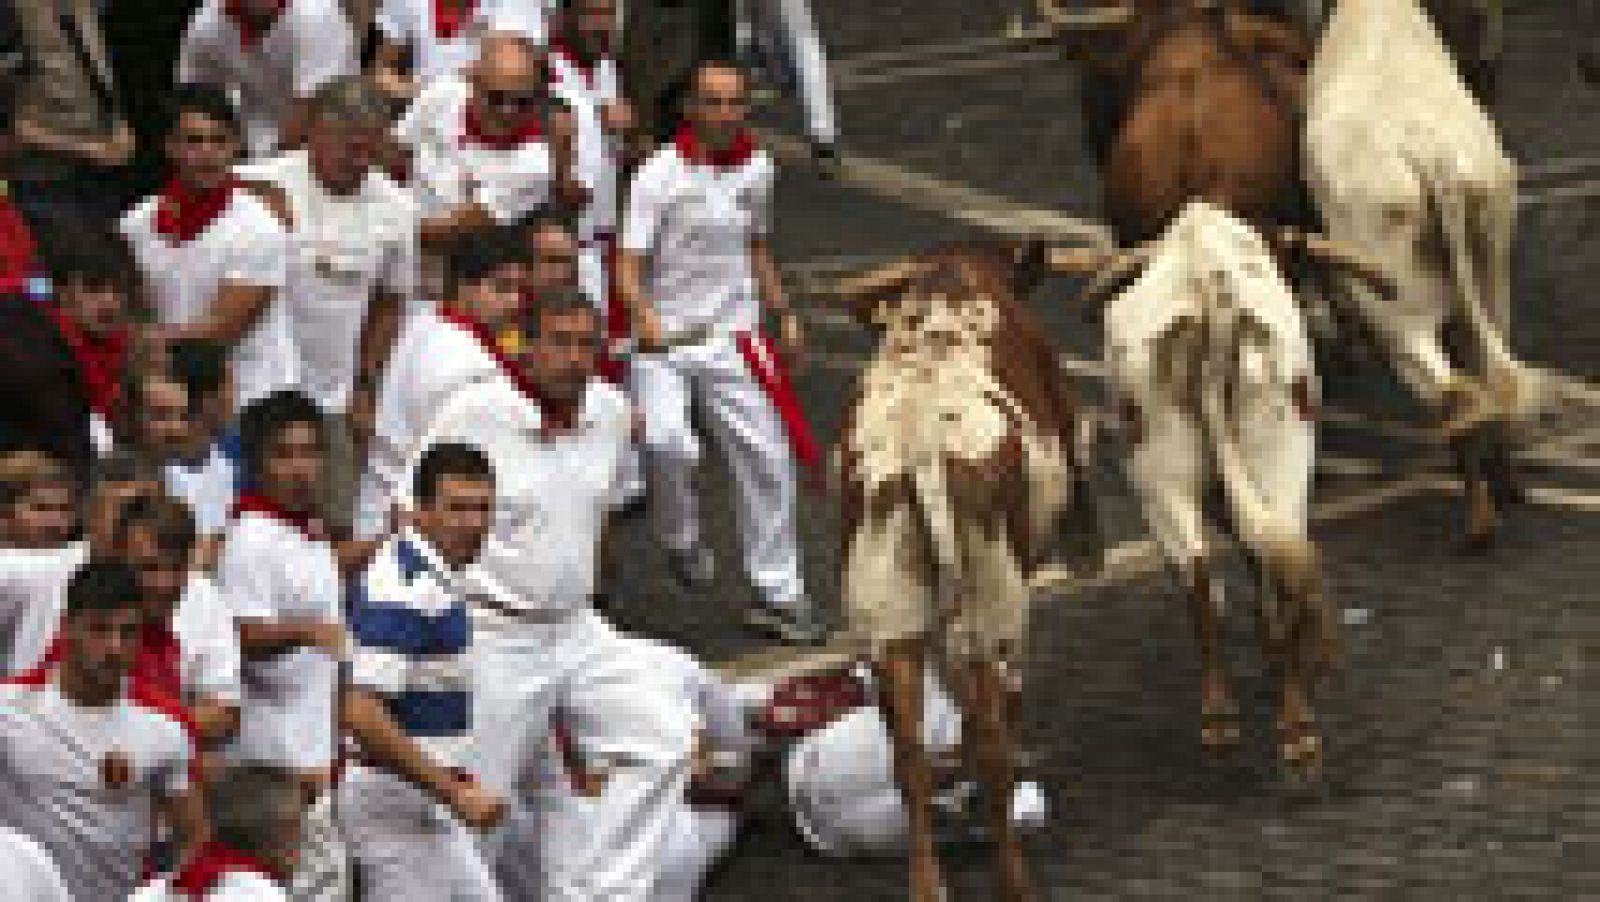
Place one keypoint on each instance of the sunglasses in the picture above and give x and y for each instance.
(516, 100)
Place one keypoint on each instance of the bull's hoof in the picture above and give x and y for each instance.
(928, 886)
(1483, 519)
(1300, 753)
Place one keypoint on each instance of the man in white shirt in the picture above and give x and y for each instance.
(180, 411)
(587, 78)
(787, 36)
(271, 55)
(556, 437)
(255, 819)
(439, 352)
(84, 765)
(214, 256)
(27, 871)
(407, 802)
(492, 148)
(439, 38)
(352, 263)
(38, 510)
(696, 271)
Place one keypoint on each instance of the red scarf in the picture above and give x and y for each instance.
(736, 154)
(803, 704)
(17, 251)
(215, 862)
(450, 16)
(253, 503)
(585, 67)
(251, 31)
(182, 216)
(557, 414)
(529, 131)
(99, 359)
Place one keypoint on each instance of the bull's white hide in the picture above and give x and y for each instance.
(1209, 352)
(930, 398)
(1407, 167)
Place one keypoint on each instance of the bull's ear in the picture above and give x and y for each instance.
(1030, 263)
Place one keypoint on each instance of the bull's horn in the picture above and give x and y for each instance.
(1078, 260)
(1112, 276)
(877, 280)
(1342, 257)
(1113, 15)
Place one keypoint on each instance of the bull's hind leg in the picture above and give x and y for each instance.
(1219, 712)
(989, 742)
(901, 674)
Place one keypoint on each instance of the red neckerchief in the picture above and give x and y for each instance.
(250, 31)
(472, 132)
(99, 359)
(214, 862)
(182, 216)
(585, 67)
(450, 16)
(253, 503)
(557, 414)
(807, 703)
(736, 154)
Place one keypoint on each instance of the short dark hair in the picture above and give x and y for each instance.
(26, 469)
(478, 254)
(250, 806)
(209, 101)
(265, 419)
(168, 519)
(558, 301)
(456, 459)
(88, 256)
(102, 586)
(200, 365)
(542, 218)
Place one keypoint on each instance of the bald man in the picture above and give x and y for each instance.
(493, 147)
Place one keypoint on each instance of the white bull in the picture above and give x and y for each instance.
(1209, 357)
(1407, 167)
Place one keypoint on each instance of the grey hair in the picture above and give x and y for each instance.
(351, 100)
(252, 806)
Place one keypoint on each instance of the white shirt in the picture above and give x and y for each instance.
(451, 170)
(208, 488)
(271, 572)
(341, 250)
(552, 492)
(309, 45)
(27, 872)
(410, 23)
(236, 886)
(33, 593)
(432, 359)
(587, 93)
(696, 223)
(245, 245)
(53, 785)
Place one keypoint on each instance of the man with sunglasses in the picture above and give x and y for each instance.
(492, 148)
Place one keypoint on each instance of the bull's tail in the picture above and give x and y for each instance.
(1474, 219)
(1298, 624)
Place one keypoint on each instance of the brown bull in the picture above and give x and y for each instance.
(1198, 100)
(959, 460)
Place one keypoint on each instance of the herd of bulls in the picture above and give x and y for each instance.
(1269, 189)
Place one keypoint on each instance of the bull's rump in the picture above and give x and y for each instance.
(949, 489)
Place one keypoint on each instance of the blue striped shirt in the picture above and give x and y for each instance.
(411, 633)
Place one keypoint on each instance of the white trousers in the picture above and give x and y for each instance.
(700, 839)
(788, 33)
(324, 873)
(408, 847)
(626, 726)
(714, 379)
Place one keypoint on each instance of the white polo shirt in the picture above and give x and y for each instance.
(432, 360)
(341, 250)
(55, 787)
(552, 492)
(309, 45)
(272, 572)
(245, 245)
(208, 486)
(33, 593)
(696, 223)
(587, 91)
(411, 23)
(28, 872)
(235, 886)
(451, 170)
